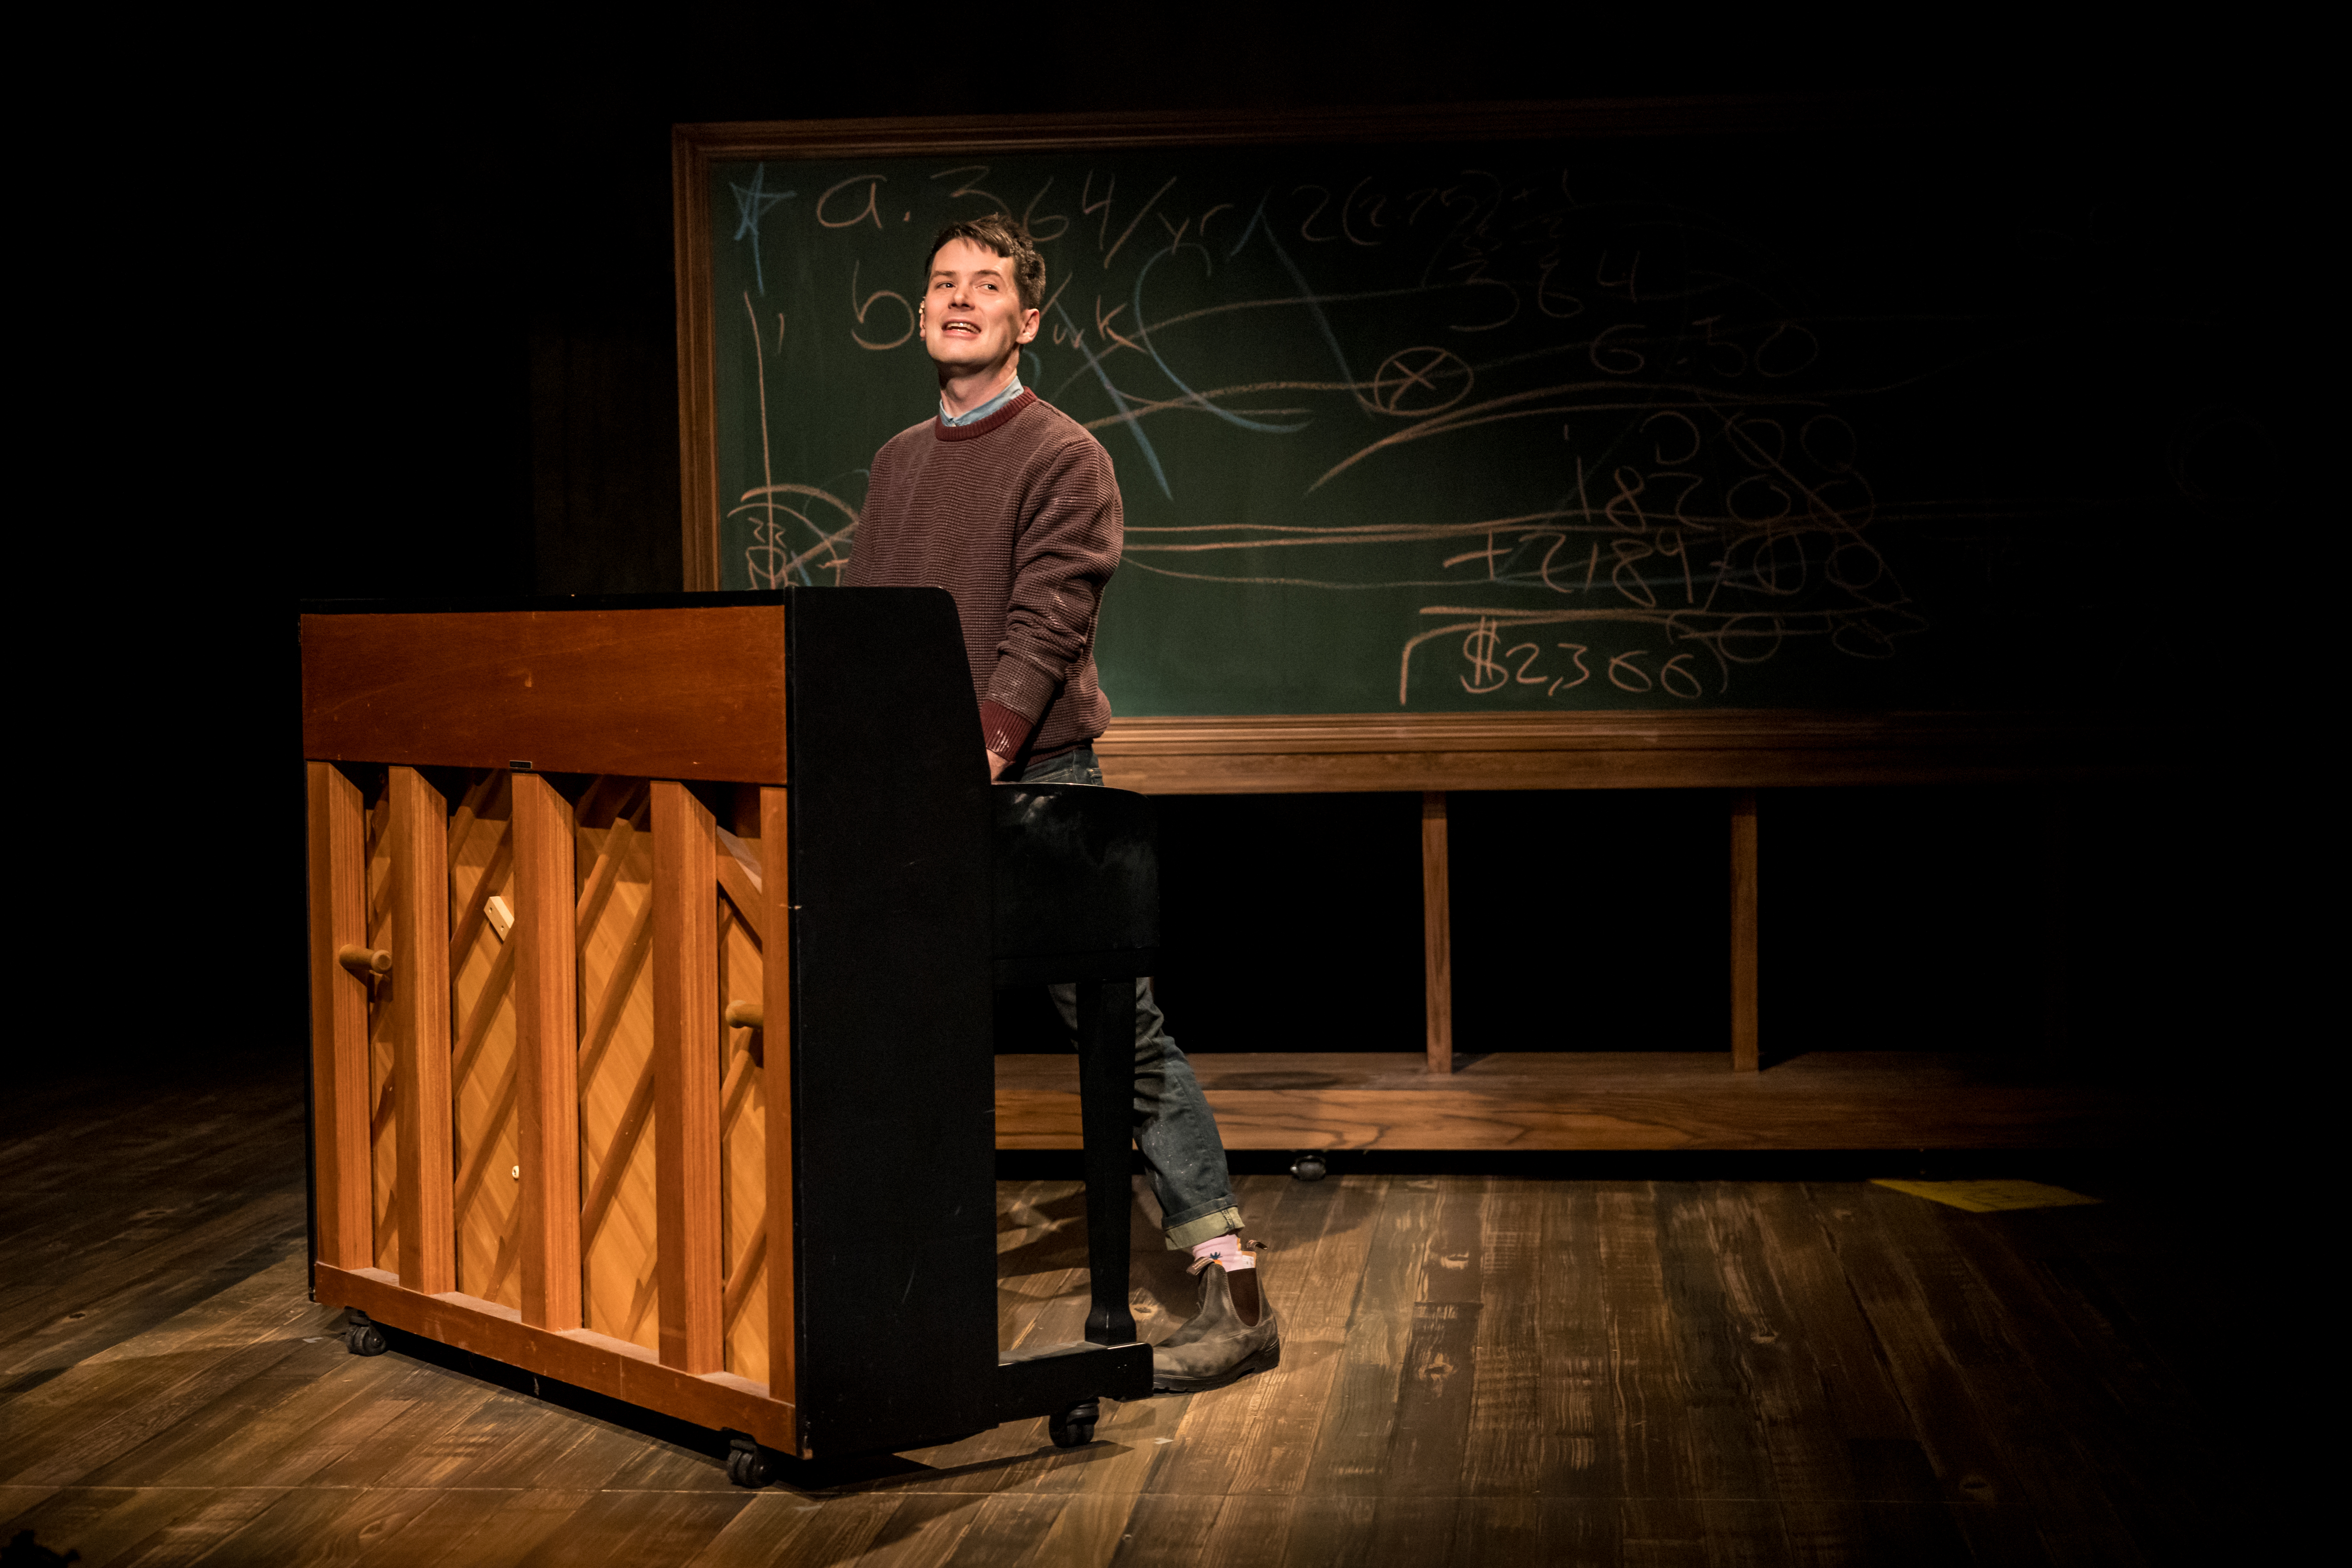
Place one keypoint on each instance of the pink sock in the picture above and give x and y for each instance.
(1227, 1250)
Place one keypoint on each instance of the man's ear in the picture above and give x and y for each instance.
(1029, 321)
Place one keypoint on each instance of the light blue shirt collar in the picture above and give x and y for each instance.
(1011, 390)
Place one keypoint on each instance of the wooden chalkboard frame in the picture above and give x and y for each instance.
(1428, 752)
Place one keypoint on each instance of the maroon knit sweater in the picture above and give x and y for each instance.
(1018, 517)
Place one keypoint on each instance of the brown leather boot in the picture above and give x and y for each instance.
(1233, 1334)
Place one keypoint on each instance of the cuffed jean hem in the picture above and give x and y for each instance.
(1191, 1233)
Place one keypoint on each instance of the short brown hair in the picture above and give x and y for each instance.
(1001, 235)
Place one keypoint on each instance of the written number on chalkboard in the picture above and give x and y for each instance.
(1494, 667)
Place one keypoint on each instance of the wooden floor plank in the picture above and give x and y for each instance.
(496, 1528)
(1327, 1529)
(1744, 1530)
(1841, 1349)
(1429, 1442)
(1249, 1531)
(443, 1404)
(1558, 1532)
(1968, 1458)
(1661, 1532)
(1164, 1530)
(105, 1300)
(1505, 1446)
(2053, 1467)
(1350, 1457)
(778, 1527)
(1649, 1391)
(316, 1526)
(665, 1466)
(1853, 1533)
(1006, 1529)
(549, 1448)
(627, 1528)
(2143, 1440)
(914, 1530)
(1127, 1444)
(189, 1538)
(216, 1445)
(1086, 1531)
(103, 1523)
(1410, 1532)
(1718, 1426)
(145, 1402)
(130, 1216)
(1574, 1445)
(157, 1377)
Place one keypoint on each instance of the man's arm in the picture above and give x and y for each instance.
(1068, 548)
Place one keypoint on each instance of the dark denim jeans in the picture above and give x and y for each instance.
(1173, 1124)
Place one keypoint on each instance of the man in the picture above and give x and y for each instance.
(1012, 506)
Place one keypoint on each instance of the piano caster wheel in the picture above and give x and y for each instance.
(747, 1463)
(1075, 1426)
(361, 1337)
(1309, 1167)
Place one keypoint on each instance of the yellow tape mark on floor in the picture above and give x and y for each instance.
(1990, 1197)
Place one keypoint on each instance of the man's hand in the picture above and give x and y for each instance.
(996, 766)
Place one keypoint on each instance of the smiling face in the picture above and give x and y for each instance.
(973, 323)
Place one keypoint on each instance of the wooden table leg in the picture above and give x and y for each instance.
(1744, 1053)
(1437, 932)
(1106, 1091)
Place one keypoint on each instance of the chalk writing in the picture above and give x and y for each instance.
(1613, 447)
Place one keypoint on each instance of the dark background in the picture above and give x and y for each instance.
(397, 316)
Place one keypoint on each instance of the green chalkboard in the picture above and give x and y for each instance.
(1834, 417)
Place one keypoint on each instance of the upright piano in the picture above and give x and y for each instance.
(651, 942)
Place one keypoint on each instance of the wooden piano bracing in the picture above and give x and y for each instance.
(549, 1056)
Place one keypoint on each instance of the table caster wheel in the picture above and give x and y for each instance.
(1075, 1426)
(748, 1464)
(1309, 1167)
(361, 1337)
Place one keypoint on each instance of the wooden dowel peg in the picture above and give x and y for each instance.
(744, 1014)
(364, 962)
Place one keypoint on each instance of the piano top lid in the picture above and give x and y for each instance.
(684, 686)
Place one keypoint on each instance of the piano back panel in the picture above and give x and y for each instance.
(618, 1234)
(892, 1080)
(487, 1148)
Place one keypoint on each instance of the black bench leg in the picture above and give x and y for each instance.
(1105, 1092)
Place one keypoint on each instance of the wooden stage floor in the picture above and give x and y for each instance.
(1477, 1369)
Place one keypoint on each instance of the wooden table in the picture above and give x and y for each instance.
(1560, 1100)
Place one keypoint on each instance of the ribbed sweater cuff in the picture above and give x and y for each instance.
(1020, 688)
(1005, 731)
